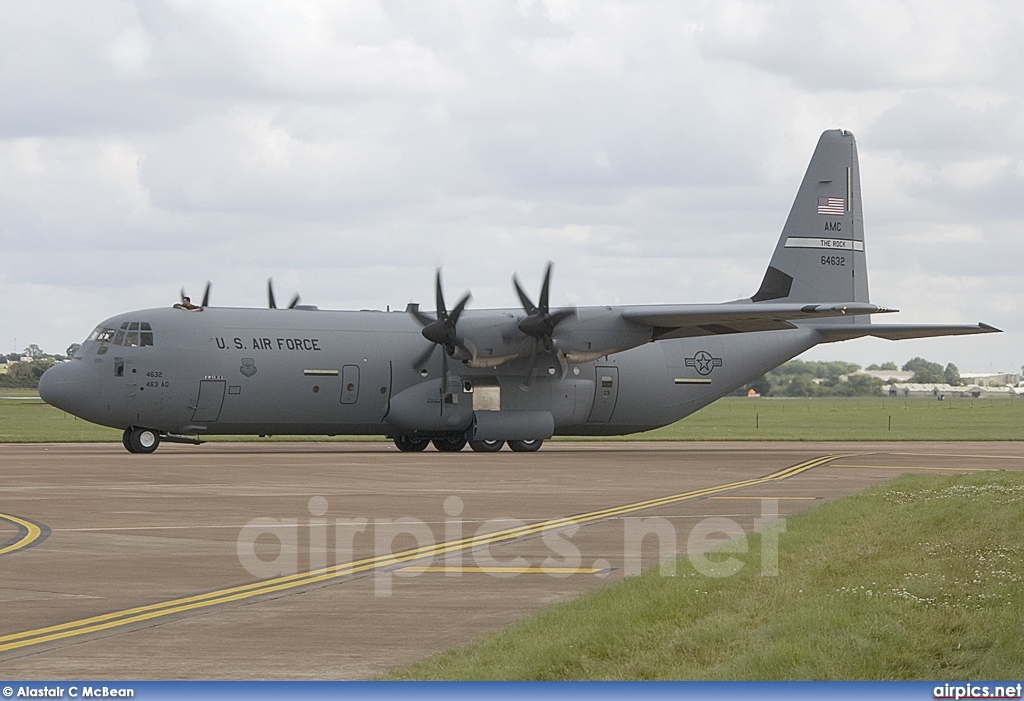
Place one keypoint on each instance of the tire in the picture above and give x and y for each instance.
(126, 440)
(408, 444)
(530, 446)
(144, 440)
(451, 444)
(486, 446)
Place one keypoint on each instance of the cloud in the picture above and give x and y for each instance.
(651, 149)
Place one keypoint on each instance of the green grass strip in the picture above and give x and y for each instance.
(919, 579)
(27, 420)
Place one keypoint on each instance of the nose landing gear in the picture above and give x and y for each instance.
(140, 440)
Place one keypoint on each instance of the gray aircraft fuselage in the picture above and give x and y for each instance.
(484, 376)
(277, 371)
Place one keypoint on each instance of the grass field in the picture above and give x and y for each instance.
(920, 579)
(25, 419)
(852, 419)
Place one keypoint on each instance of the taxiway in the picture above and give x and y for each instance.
(342, 560)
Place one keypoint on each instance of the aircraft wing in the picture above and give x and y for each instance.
(899, 332)
(681, 320)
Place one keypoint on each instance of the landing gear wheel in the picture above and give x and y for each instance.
(143, 440)
(530, 446)
(408, 444)
(450, 444)
(126, 440)
(486, 446)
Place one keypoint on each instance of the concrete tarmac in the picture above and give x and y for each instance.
(285, 560)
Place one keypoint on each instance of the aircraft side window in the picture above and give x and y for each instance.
(103, 335)
(132, 339)
(133, 326)
(147, 338)
(118, 338)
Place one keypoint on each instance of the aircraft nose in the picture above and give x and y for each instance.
(70, 386)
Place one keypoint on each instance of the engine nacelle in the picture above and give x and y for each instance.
(421, 408)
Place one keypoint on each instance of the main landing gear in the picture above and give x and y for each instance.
(140, 440)
(486, 446)
(455, 442)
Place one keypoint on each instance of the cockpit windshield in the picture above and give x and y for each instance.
(134, 334)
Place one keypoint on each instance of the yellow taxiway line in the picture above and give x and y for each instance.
(756, 497)
(506, 570)
(117, 619)
(28, 534)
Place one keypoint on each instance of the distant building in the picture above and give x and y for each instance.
(909, 390)
(990, 379)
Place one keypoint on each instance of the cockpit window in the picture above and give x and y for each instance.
(133, 334)
(102, 335)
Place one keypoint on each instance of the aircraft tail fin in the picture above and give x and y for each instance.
(820, 255)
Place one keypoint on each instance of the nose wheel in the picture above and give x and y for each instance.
(140, 440)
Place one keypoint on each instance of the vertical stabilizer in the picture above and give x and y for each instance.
(820, 255)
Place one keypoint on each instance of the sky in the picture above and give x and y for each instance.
(650, 149)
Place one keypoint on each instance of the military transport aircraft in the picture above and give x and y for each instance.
(486, 377)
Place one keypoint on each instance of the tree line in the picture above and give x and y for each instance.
(26, 373)
(836, 378)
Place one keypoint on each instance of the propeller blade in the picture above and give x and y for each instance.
(414, 309)
(561, 315)
(523, 298)
(295, 300)
(206, 296)
(454, 317)
(422, 359)
(182, 294)
(422, 318)
(270, 293)
(545, 287)
(442, 311)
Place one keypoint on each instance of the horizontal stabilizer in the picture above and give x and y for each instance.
(900, 332)
(672, 316)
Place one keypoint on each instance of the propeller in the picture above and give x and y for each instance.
(441, 331)
(206, 296)
(270, 296)
(540, 322)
